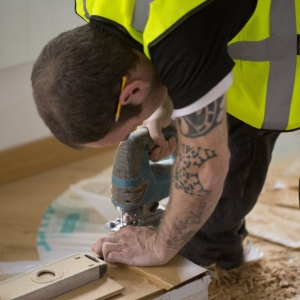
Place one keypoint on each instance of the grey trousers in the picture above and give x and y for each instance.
(220, 240)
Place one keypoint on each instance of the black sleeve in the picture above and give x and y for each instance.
(193, 58)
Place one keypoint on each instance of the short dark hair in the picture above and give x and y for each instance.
(76, 84)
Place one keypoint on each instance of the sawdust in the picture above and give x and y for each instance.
(273, 226)
(276, 277)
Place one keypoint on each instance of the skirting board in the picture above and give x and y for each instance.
(29, 159)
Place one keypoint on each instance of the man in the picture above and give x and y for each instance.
(163, 60)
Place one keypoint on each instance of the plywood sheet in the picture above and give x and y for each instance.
(136, 287)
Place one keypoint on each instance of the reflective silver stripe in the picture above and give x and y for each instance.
(86, 13)
(280, 49)
(140, 14)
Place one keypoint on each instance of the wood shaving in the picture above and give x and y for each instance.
(276, 278)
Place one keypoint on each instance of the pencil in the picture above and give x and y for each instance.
(118, 113)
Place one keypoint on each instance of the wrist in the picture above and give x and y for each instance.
(164, 247)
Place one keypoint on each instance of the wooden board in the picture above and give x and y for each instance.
(103, 288)
(175, 272)
(136, 286)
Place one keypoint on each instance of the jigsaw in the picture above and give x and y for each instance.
(138, 184)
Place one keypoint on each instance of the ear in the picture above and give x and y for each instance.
(134, 92)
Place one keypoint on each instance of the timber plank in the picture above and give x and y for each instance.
(175, 272)
(103, 288)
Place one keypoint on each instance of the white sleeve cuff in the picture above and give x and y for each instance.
(208, 98)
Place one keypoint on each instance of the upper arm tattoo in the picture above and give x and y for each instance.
(202, 122)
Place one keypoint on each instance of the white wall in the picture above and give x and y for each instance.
(25, 27)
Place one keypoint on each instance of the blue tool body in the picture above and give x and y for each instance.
(136, 180)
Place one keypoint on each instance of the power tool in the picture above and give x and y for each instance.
(138, 184)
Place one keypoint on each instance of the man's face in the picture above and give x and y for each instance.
(149, 106)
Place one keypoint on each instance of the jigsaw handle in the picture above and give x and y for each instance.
(136, 180)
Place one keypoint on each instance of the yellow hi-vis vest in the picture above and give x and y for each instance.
(266, 88)
(147, 21)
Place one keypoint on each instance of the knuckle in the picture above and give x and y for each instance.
(100, 240)
(105, 247)
(157, 139)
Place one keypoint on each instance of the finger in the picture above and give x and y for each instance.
(165, 152)
(97, 245)
(172, 144)
(159, 153)
(108, 247)
(157, 135)
(119, 257)
(156, 154)
(159, 139)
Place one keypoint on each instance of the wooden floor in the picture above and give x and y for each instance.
(23, 202)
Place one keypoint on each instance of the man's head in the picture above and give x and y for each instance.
(76, 84)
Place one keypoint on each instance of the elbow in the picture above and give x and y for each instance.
(213, 176)
(224, 165)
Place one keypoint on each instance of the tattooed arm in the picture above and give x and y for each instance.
(198, 175)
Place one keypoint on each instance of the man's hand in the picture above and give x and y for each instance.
(131, 245)
(160, 119)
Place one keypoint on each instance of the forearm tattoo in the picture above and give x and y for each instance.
(202, 122)
(181, 226)
(185, 178)
(186, 168)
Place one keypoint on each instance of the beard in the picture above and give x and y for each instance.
(156, 95)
